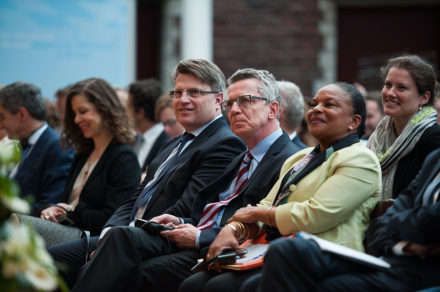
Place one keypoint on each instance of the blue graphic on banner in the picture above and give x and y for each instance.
(53, 43)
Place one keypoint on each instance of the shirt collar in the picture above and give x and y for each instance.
(153, 132)
(259, 150)
(293, 135)
(197, 131)
(33, 139)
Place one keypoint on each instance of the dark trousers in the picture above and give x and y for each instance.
(129, 259)
(299, 265)
(211, 281)
(72, 254)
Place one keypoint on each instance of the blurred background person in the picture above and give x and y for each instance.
(52, 116)
(165, 114)
(60, 104)
(374, 113)
(303, 129)
(123, 96)
(142, 98)
(409, 131)
(292, 110)
(105, 170)
(44, 166)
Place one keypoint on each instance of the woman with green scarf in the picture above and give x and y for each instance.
(409, 131)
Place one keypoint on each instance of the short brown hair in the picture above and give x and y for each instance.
(206, 71)
(421, 72)
(114, 116)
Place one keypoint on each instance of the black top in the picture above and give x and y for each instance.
(113, 180)
(411, 164)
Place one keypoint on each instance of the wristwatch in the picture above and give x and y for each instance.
(69, 207)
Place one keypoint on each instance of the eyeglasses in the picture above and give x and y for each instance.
(169, 123)
(241, 101)
(176, 94)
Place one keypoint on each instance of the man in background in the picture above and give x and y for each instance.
(43, 169)
(142, 97)
(292, 110)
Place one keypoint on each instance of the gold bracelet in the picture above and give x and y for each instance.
(240, 234)
(268, 218)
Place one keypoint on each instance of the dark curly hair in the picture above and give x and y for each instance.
(421, 72)
(114, 116)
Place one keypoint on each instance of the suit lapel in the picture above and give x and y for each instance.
(37, 148)
(434, 171)
(198, 141)
(163, 137)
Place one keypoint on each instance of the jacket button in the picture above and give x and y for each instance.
(292, 188)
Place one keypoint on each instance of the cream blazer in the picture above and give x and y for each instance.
(335, 200)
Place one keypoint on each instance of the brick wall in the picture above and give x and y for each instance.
(280, 36)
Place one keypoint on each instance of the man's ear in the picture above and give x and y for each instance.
(218, 100)
(274, 108)
(23, 114)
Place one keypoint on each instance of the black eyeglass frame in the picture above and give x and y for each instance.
(172, 95)
(251, 97)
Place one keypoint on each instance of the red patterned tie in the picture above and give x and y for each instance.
(211, 210)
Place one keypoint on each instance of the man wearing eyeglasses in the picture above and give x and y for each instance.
(185, 164)
(159, 263)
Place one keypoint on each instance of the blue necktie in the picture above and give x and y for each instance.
(145, 195)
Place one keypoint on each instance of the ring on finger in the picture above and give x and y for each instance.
(46, 217)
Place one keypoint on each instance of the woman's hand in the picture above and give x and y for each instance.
(250, 214)
(52, 213)
(225, 240)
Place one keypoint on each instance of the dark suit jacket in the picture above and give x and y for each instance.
(410, 165)
(44, 172)
(157, 146)
(204, 160)
(298, 143)
(409, 220)
(255, 189)
(112, 181)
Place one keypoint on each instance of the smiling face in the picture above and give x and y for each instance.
(331, 115)
(194, 112)
(87, 117)
(255, 121)
(400, 97)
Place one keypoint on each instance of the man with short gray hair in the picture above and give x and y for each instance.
(164, 261)
(292, 110)
(43, 169)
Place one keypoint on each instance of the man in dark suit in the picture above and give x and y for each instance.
(292, 110)
(150, 137)
(253, 105)
(407, 236)
(186, 163)
(43, 169)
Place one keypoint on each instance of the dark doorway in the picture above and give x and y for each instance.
(368, 36)
(148, 38)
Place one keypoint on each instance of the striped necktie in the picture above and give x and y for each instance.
(211, 210)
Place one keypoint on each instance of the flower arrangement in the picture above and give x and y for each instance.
(25, 265)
